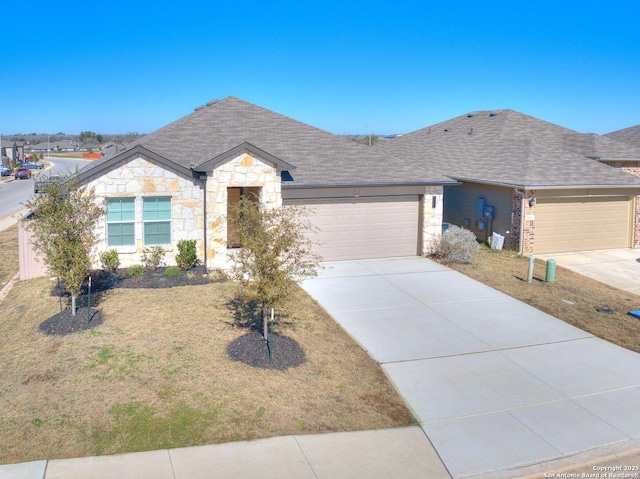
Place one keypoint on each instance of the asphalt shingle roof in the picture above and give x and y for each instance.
(509, 148)
(319, 157)
(630, 135)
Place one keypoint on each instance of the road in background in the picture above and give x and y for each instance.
(14, 193)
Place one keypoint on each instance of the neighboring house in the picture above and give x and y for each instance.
(64, 145)
(111, 148)
(11, 152)
(629, 135)
(54, 146)
(549, 188)
(43, 147)
(182, 181)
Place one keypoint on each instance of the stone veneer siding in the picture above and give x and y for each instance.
(632, 167)
(140, 177)
(431, 217)
(244, 170)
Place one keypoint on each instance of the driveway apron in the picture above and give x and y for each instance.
(495, 384)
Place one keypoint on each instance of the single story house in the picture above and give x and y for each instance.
(545, 188)
(54, 146)
(180, 182)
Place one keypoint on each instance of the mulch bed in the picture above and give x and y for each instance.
(65, 323)
(252, 349)
(157, 278)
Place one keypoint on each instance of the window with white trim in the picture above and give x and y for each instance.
(121, 216)
(156, 215)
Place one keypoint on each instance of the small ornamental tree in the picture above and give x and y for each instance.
(63, 227)
(275, 253)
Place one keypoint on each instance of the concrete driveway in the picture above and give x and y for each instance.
(619, 268)
(499, 388)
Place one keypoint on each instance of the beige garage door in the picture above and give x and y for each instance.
(582, 224)
(361, 228)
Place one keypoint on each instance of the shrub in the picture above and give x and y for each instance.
(187, 256)
(172, 271)
(152, 256)
(456, 245)
(136, 271)
(109, 260)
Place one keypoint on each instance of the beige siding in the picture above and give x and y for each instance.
(460, 206)
(581, 224)
(361, 228)
(30, 265)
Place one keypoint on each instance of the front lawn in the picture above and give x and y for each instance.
(156, 374)
(9, 264)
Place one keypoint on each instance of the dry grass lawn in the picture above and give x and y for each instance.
(9, 264)
(156, 375)
(572, 298)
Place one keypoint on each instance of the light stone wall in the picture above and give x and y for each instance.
(244, 170)
(140, 177)
(431, 217)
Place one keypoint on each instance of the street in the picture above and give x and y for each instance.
(14, 193)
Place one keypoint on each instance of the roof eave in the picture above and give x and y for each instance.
(85, 173)
(290, 185)
(625, 159)
(537, 186)
(212, 163)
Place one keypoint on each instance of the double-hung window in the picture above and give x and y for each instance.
(156, 215)
(121, 215)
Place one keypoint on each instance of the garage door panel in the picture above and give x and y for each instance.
(575, 224)
(360, 228)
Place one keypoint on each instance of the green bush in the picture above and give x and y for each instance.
(187, 256)
(109, 260)
(456, 245)
(152, 257)
(172, 271)
(136, 271)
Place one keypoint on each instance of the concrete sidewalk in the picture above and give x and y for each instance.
(401, 453)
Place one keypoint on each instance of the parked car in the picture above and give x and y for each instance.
(5, 171)
(41, 184)
(33, 165)
(22, 174)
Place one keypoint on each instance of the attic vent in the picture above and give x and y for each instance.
(472, 114)
(495, 112)
(198, 108)
(446, 130)
(209, 103)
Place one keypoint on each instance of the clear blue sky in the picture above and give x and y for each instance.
(347, 67)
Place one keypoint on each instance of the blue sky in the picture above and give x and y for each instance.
(347, 67)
